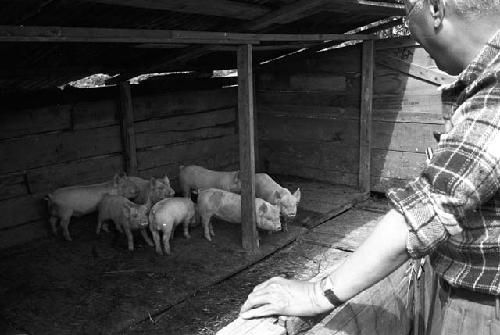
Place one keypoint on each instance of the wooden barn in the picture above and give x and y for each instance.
(322, 101)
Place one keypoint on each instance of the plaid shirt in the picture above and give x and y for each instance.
(453, 208)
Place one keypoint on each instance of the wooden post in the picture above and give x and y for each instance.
(250, 240)
(365, 118)
(127, 128)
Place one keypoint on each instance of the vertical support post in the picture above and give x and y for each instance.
(249, 235)
(365, 117)
(127, 128)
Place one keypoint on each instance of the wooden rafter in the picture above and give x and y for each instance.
(107, 35)
(296, 10)
(225, 8)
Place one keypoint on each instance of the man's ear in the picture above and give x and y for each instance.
(437, 11)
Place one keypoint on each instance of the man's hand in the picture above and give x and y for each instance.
(279, 296)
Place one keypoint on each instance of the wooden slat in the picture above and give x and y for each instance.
(225, 8)
(13, 185)
(420, 72)
(22, 234)
(81, 172)
(365, 127)
(23, 209)
(184, 128)
(284, 111)
(15, 123)
(127, 128)
(46, 149)
(108, 35)
(185, 153)
(250, 239)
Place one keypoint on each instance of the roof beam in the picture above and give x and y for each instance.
(294, 11)
(225, 8)
(106, 35)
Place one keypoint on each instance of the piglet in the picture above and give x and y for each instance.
(66, 202)
(154, 189)
(269, 190)
(167, 214)
(227, 206)
(126, 215)
(195, 177)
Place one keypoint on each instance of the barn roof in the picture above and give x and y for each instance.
(48, 43)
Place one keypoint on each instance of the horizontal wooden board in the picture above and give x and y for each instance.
(82, 172)
(330, 156)
(302, 82)
(16, 211)
(411, 137)
(22, 234)
(185, 128)
(301, 98)
(32, 121)
(186, 152)
(40, 150)
(95, 114)
(12, 185)
(341, 132)
(383, 184)
(397, 164)
(426, 108)
(176, 103)
(284, 111)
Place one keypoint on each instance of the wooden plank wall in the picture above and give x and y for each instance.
(79, 142)
(308, 116)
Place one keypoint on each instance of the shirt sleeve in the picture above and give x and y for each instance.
(463, 174)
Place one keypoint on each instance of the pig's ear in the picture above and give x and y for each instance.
(297, 194)
(263, 208)
(166, 180)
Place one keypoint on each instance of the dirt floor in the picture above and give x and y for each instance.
(93, 285)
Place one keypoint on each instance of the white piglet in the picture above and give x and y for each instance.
(167, 214)
(269, 190)
(195, 177)
(227, 206)
(126, 215)
(71, 201)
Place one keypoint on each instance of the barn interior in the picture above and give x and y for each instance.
(321, 102)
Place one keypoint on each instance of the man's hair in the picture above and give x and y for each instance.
(475, 8)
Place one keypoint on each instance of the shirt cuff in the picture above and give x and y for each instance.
(427, 220)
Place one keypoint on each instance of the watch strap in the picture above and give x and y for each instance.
(329, 293)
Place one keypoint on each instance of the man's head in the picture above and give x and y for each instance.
(453, 31)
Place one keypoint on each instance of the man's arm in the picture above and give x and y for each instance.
(382, 252)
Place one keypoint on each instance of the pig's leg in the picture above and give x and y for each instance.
(186, 227)
(99, 224)
(130, 238)
(53, 224)
(167, 231)
(156, 238)
(144, 234)
(205, 221)
(65, 218)
(211, 228)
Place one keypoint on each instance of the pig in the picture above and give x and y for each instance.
(154, 189)
(227, 206)
(76, 201)
(198, 178)
(167, 214)
(269, 190)
(126, 215)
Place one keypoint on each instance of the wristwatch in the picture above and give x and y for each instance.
(327, 289)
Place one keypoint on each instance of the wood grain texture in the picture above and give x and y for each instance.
(127, 129)
(41, 150)
(23, 234)
(249, 235)
(22, 209)
(365, 118)
(13, 185)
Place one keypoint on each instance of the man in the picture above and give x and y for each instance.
(452, 211)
